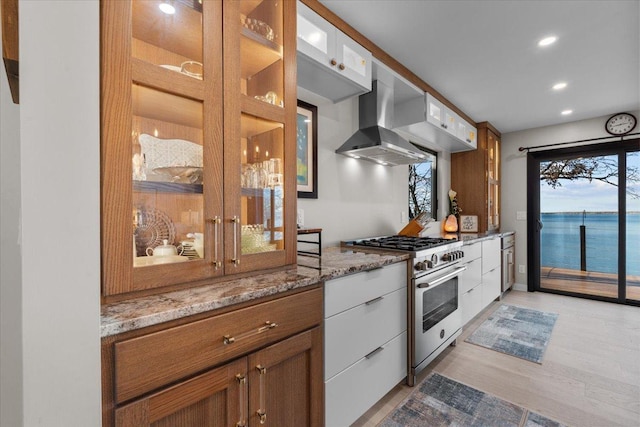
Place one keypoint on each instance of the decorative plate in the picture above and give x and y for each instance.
(162, 153)
(153, 226)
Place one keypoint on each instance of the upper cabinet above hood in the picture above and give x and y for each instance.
(430, 120)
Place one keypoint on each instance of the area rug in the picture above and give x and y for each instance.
(517, 331)
(441, 401)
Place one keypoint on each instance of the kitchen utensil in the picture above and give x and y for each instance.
(164, 250)
(143, 261)
(198, 243)
(152, 227)
(192, 69)
(183, 174)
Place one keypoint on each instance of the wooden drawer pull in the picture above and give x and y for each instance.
(228, 339)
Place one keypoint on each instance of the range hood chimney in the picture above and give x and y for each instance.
(374, 141)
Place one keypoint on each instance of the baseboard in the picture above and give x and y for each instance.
(519, 287)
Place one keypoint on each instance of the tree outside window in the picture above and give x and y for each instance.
(422, 186)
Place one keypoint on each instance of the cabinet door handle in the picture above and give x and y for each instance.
(229, 339)
(262, 410)
(236, 258)
(333, 61)
(216, 222)
(242, 381)
(342, 67)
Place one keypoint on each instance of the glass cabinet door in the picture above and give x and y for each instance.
(256, 128)
(493, 176)
(162, 117)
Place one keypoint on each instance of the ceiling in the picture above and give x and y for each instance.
(482, 55)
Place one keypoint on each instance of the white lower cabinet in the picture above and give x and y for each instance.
(480, 283)
(353, 391)
(359, 331)
(365, 348)
(491, 270)
(490, 286)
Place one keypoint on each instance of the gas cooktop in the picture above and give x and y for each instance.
(403, 243)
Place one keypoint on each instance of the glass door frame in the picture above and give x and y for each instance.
(534, 158)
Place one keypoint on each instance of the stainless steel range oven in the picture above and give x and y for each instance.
(434, 319)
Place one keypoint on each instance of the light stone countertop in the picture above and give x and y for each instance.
(151, 310)
(469, 238)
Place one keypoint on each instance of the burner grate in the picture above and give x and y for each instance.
(405, 243)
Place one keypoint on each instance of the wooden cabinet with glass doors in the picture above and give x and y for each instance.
(198, 140)
(475, 176)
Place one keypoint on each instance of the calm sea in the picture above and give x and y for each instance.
(560, 241)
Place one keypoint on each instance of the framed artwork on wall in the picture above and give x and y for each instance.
(307, 150)
(468, 223)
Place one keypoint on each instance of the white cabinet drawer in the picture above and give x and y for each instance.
(472, 251)
(345, 292)
(491, 257)
(352, 334)
(471, 277)
(471, 303)
(351, 393)
(491, 288)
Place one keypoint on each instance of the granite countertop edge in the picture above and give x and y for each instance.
(151, 310)
(469, 238)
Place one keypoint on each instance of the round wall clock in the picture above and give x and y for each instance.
(620, 124)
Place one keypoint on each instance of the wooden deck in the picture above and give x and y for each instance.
(587, 282)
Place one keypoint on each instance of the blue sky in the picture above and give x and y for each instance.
(578, 196)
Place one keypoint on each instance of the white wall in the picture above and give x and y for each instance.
(356, 198)
(10, 260)
(60, 212)
(514, 172)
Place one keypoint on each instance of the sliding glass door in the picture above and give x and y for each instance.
(633, 226)
(585, 227)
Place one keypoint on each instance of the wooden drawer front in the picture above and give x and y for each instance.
(472, 251)
(354, 333)
(146, 363)
(351, 393)
(471, 277)
(347, 292)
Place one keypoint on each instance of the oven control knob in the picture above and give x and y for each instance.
(422, 265)
(460, 254)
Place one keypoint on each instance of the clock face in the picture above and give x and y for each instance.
(620, 124)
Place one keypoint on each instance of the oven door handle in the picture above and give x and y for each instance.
(442, 279)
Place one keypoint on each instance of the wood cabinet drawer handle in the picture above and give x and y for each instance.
(228, 339)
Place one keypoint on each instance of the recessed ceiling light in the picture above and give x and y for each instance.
(547, 41)
(167, 8)
(559, 86)
(566, 112)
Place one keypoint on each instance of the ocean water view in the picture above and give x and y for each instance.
(560, 241)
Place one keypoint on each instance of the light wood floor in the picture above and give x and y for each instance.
(587, 282)
(589, 377)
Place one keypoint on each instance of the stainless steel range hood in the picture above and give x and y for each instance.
(374, 141)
